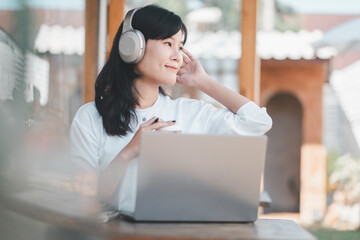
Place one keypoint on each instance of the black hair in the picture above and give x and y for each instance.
(114, 87)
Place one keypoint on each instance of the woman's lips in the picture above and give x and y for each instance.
(172, 68)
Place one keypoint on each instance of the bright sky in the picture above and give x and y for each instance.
(325, 6)
(303, 6)
(49, 4)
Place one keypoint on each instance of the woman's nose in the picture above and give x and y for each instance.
(177, 56)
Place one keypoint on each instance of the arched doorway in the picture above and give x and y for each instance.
(282, 166)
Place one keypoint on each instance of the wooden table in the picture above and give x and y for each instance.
(77, 216)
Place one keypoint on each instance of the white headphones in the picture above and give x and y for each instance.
(132, 41)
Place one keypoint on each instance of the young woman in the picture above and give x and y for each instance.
(105, 134)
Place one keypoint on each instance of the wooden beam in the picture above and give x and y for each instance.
(91, 43)
(115, 17)
(249, 64)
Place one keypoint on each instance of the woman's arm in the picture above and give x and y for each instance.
(85, 144)
(193, 74)
(111, 177)
(230, 99)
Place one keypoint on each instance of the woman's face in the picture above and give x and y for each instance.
(162, 60)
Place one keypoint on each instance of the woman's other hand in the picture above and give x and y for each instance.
(191, 72)
(132, 149)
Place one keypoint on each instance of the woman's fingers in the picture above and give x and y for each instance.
(167, 131)
(150, 121)
(159, 124)
(163, 124)
(154, 123)
(180, 72)
(188, 54)
(186, 59)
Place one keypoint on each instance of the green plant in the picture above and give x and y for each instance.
(346, 177)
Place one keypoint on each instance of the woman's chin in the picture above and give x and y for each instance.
(170, 83)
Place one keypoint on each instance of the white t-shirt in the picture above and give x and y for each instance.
(92, 148)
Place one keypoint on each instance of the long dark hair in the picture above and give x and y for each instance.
(114, 90)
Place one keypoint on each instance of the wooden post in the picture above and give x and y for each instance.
(249, 64)
(115, 17)
(91, 43)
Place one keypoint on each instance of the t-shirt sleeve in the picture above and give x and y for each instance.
(84, 141)
(249, 120)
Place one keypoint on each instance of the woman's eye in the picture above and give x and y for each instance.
(181, 48)
(167, 43)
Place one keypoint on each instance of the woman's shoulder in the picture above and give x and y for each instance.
(88, 110)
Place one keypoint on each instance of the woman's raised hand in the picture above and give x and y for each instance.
(132, 149)
(191, 72)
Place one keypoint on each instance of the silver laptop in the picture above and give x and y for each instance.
(199, 178)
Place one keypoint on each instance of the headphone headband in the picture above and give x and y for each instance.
(128, 20)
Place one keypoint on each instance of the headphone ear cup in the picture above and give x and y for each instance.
(132, 46)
